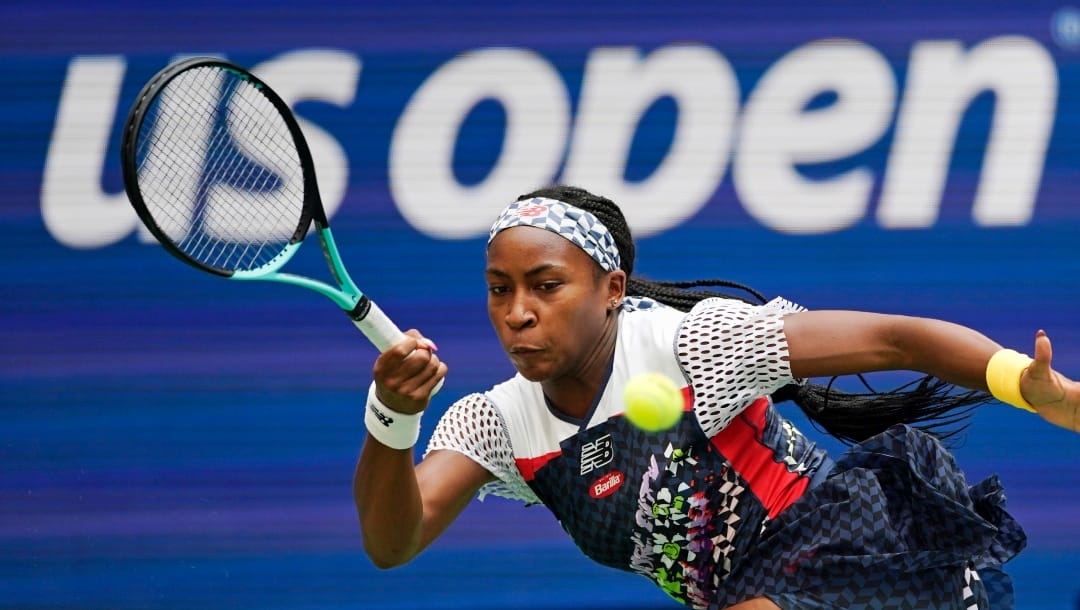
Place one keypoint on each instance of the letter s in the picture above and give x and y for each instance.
(327, 76)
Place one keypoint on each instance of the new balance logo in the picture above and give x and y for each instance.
(383, 418)
(597, 454)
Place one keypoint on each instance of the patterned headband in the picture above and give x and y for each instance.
(578, 226)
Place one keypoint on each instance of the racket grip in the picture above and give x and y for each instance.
(379, 328)
(376, 326)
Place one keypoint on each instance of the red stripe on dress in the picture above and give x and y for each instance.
(529, 466)
(740, 442)
(687, 401)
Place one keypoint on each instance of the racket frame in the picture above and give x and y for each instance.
(366, 315)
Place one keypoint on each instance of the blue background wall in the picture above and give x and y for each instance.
(170, 440)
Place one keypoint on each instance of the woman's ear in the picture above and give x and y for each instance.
(616, 286)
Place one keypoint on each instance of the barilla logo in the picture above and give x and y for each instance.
(607, 485)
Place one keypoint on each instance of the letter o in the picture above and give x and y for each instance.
(537, 107)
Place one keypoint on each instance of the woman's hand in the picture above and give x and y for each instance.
(1054, 396)
(407, 373)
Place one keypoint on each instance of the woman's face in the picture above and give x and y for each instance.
(548, 301)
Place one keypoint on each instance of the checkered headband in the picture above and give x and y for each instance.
(578, 226)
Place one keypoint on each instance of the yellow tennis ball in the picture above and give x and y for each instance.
(653, 402)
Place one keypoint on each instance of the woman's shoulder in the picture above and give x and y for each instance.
(515, 391)
(777, 305)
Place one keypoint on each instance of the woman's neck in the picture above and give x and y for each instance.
(575, 393)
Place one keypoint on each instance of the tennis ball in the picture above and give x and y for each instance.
(653, 402)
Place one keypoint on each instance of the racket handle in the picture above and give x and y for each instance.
(376, 326)
(379, 328)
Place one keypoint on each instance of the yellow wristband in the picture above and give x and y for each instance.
(1003, 377)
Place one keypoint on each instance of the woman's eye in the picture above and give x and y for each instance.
(549, 286)
(497, 290)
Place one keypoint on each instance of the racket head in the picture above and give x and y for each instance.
(217, 168)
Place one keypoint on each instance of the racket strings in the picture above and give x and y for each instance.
(219, 171)
(288, 163)
(172, 141)
(198, 243)
(246, 114)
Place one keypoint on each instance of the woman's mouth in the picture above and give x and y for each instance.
(524, 350)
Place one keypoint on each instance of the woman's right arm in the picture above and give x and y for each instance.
(403, 507)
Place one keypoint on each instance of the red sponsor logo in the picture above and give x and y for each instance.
(606, 485)
(531, 211)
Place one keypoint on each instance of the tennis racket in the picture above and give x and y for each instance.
(218, 170)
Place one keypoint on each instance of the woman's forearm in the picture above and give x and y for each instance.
(388, 504)
(827, 343)
(948, 351)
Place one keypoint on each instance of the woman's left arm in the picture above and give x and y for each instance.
(827, 343)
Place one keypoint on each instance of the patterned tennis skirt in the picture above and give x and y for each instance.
(894, 525)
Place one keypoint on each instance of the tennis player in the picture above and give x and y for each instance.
(733, 507)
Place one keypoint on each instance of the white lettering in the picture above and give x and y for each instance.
(778, 134)
(618, 88)
(75, 210)
(537, 109)
(326, 76)
(942, 82)
(178, 164)
(607, 483)
(818, 106)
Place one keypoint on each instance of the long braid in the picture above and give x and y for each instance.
(930, 404)
(679, 295)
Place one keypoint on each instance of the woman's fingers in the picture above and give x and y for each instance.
(1044, 352)
(407, 372)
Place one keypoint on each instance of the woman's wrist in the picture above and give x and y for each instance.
(389, 427)
(1003, 373)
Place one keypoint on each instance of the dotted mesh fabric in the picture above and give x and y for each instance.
(473, 426)
(733, 353)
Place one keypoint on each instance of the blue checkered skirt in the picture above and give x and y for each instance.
(894, 525)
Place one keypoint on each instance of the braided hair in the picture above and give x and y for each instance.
(927, 403)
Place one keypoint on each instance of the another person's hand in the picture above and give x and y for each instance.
(407, 373)
(1054, 396)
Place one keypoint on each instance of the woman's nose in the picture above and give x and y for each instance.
(521, 314)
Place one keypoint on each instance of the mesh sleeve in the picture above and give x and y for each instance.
(733, 353)
(473, 427)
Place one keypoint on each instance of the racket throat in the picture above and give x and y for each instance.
(361, 310)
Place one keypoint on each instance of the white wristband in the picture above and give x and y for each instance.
(393, 429)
